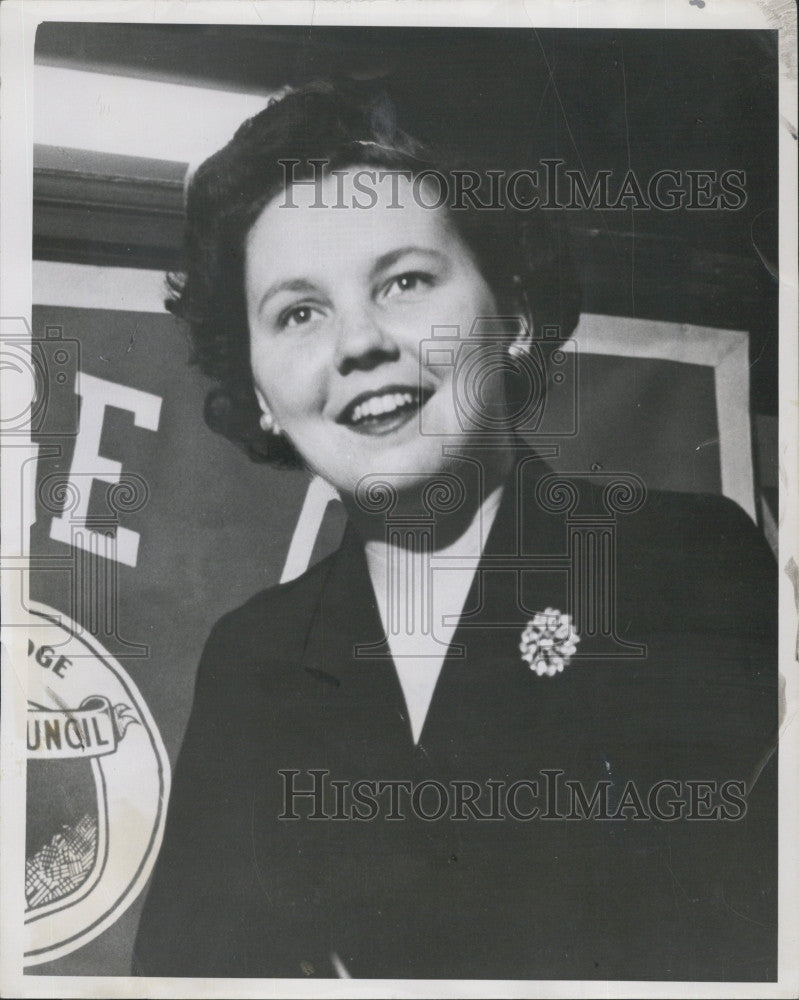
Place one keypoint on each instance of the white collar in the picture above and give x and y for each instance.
(413, 601)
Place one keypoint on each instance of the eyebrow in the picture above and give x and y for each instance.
(384, 261)
(301, 285)
(387, 260)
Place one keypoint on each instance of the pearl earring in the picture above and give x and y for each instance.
(268, 423)
(521, 345)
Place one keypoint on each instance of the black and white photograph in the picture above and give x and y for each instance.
(399, 467)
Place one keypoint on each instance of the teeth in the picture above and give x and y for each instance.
(376, 406)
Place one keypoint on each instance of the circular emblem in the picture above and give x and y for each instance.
(97, 789)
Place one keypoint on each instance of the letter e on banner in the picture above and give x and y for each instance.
(87, 462)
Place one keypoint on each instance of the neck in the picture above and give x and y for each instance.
(441, 507)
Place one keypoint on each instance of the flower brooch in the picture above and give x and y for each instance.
(549, 642)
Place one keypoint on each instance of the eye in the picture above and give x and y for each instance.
(297, 316)
(408, 282)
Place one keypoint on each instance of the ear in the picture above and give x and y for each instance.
(523, 330)
(262, 400)
(524, 326)
(268, 422)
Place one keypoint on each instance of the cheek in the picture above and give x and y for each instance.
(290, 381)
(486, 304)
(472, 300)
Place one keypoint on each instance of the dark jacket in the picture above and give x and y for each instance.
(680, 686)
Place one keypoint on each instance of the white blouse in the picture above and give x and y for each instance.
(420, 605)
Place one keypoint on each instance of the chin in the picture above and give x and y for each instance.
(400, 472)
(422, 458)
(405, 460)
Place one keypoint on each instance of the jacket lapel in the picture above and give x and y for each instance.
(346, 651)
(483, 673)
(346, 654)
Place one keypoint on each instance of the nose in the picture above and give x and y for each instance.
(362, 342)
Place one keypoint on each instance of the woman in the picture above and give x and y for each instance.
(519, 725)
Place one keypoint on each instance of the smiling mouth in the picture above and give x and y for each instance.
(384, 411)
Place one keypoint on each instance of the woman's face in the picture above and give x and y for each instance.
(339, 301)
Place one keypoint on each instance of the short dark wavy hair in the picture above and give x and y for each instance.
(522, 257)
